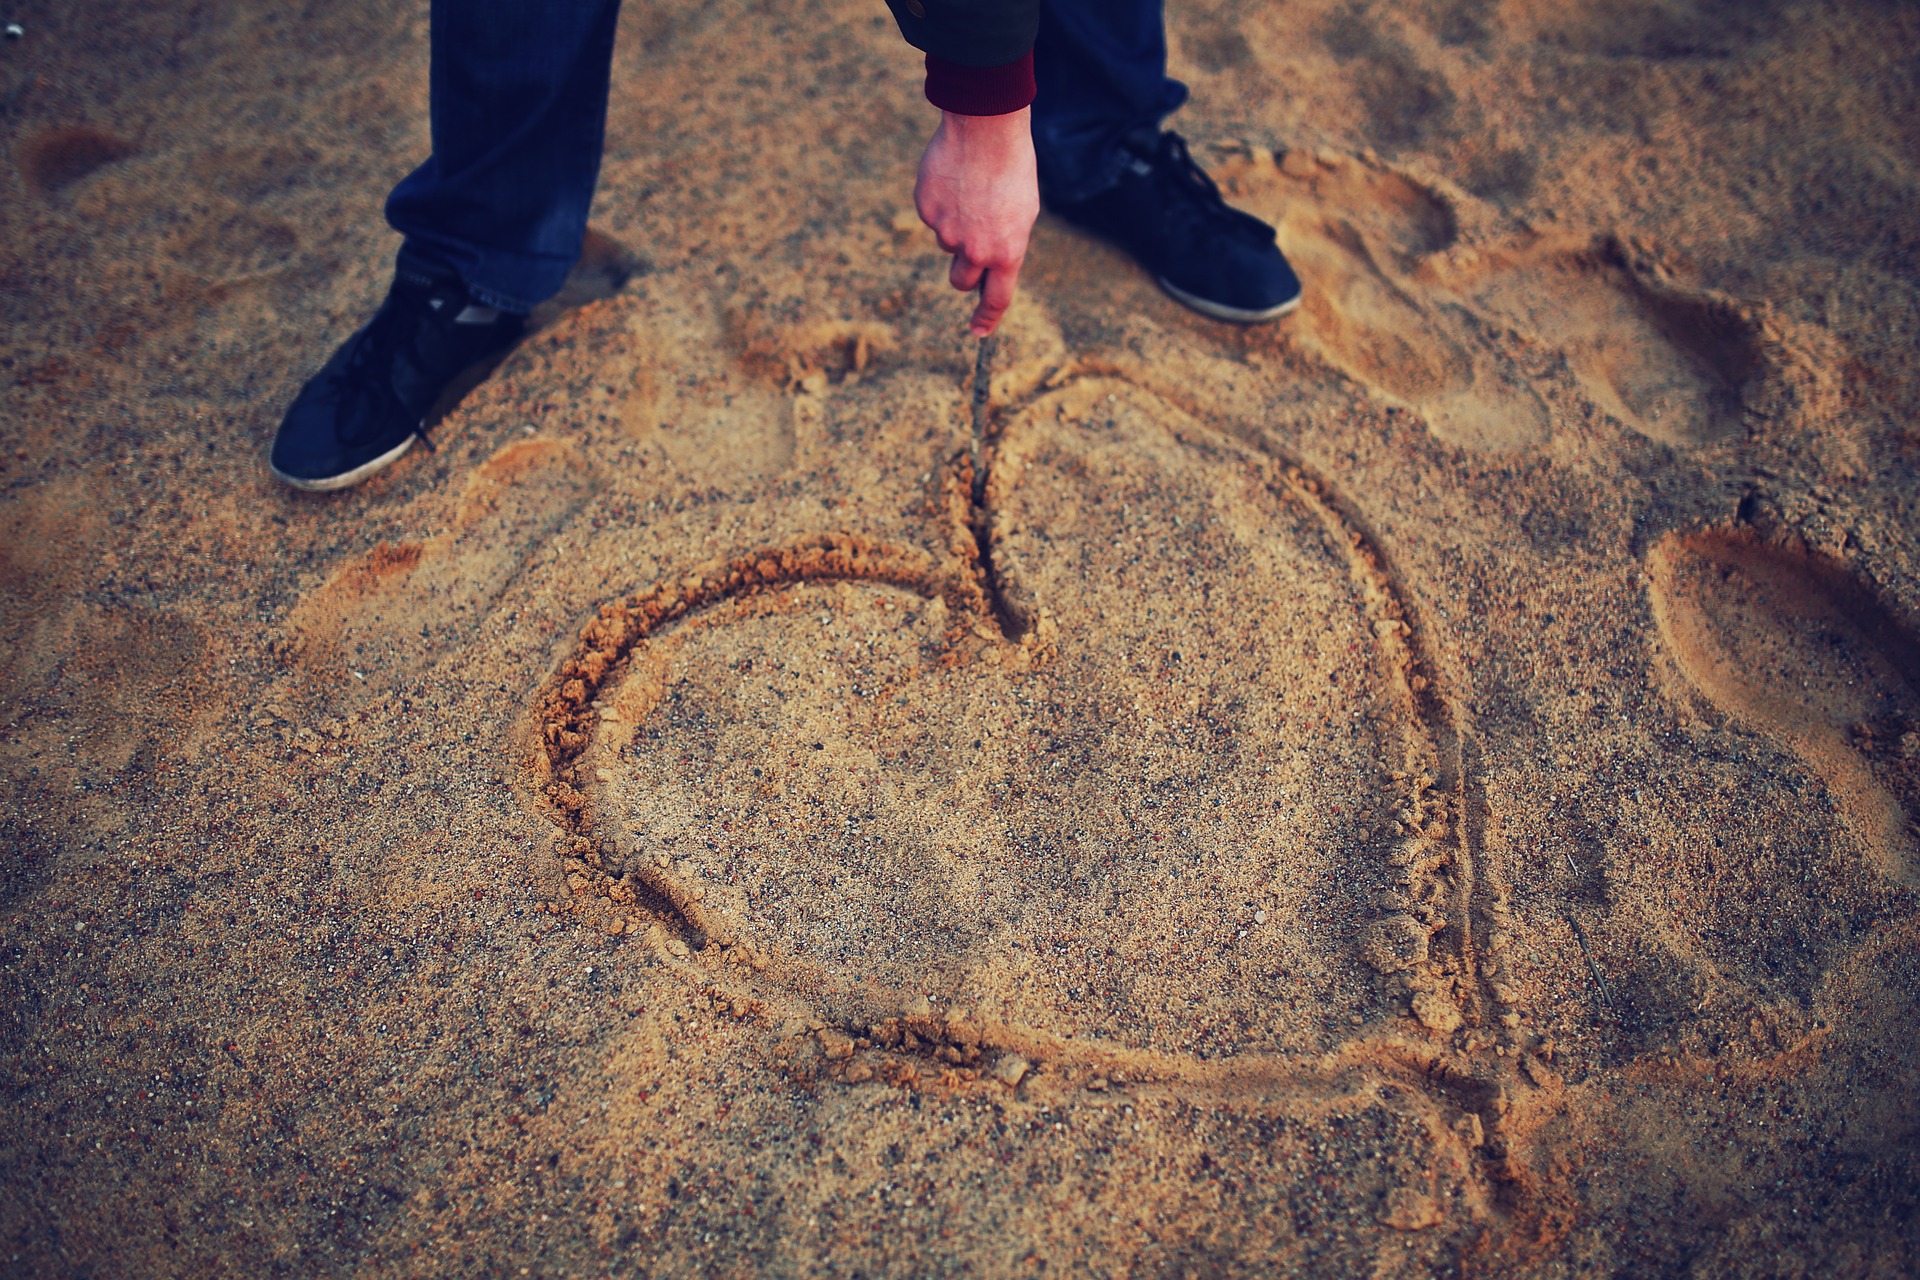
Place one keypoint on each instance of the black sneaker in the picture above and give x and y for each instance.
(1166, 212)
(367, 406)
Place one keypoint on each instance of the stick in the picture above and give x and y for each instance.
(982, 389)
(1593, 966)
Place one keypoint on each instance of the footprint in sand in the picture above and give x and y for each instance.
(88, 686)
(725, 392)
(234, 242)
(391, 613)
(1669, 364)
(1358, 234)
(55, 159)
(1790, 642)
(1393, 302)
(1159, 823)
(680, 383)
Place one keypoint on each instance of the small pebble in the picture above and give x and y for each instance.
(1394, 942)
(1260, 916)
(1011, 1070)
(1409, 1210)
(678, 948)
(1538, 1072)
(1297, 164)
(1436, 1012)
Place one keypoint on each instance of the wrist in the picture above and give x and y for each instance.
(1011, 124)
(994, 141)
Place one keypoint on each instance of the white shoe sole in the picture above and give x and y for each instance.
(1235, 314)
(346, 479)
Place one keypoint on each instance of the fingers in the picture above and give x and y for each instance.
(996, 295)
(997, 277)
(965, 273)
(997, 281)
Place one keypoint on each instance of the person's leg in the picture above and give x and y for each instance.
(1108, 167)
(518, 93)
(493, 222)
(1101, 69)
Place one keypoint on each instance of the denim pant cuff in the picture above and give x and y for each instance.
(1064, 184)
(416, 256)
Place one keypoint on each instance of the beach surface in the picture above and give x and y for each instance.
(1430, 786)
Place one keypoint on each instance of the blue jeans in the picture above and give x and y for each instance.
(518, 96)
(1101, 68)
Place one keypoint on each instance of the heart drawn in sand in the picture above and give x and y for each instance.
(1194, 811)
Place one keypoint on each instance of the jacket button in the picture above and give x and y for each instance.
(917, 9)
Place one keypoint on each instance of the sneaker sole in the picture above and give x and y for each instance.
(346, 479)
(1220, 311)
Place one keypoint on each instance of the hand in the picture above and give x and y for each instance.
(979, 192)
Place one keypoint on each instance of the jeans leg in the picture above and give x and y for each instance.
(518, 92)
(1101, 66)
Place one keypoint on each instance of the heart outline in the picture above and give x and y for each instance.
(1437, 862)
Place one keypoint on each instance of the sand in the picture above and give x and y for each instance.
(1426, 787)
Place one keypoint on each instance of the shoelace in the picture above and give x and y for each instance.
(366, 371)
(1175, 169)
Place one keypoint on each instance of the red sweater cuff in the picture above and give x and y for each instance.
(980, 91)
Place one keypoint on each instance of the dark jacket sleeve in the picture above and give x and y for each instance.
(972, 33)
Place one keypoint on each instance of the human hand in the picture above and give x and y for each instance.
(979, 191)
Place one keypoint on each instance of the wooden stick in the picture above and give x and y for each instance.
(982, 389)
(1593, 966)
